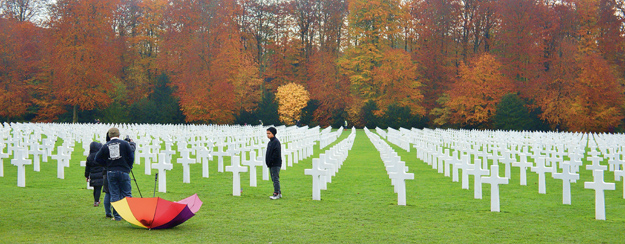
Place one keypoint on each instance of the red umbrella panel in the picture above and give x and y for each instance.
(154, 212)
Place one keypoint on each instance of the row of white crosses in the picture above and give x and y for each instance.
(328, 164)
(400, 138)
(328, 137)
(547, 150)
(396, 169)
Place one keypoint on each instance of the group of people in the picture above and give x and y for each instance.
(108, 168)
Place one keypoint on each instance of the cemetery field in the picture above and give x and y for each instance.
(359, 206)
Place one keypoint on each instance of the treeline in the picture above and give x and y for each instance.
(492, 64)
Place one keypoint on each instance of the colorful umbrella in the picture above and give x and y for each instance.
(155, 212)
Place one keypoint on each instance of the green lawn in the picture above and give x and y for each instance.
(358, 207)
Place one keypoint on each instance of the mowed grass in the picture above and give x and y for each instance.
(358, 207)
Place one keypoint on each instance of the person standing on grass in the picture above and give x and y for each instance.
(105, 189)
(273, 159)
(118, 157)
(93, 172)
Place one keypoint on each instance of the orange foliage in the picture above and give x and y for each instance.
(477, 92)
(327, 86)
(21, 51)
(398, 81)
(553, 93)
(598, 97)
(215, 77)
(84, 58)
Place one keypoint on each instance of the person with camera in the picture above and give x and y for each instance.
(118, 158)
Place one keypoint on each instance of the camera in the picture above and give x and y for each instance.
(127, 138)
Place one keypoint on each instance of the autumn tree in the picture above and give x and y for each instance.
(292, 98)
(374, 31)
(398, 81)
(85, 62)
(22, 49)
(214, 75)
(480, 87)
(431, 36)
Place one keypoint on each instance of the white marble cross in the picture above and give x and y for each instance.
(168, 152)
(62, 161)
(465, 166)
(236, 170)
(595, 163)
(220, 153)
(599, 186)
(507, 160)
(567, 177)
(147, 159)
(252, 163)
(2, 157)
(162, 166)
(541, 169)
(315, 172)
(20, 161)
(523, 165)
(400, 176)
(36, 157)
(477, 173)
(494, 180)
(204, 156)
(185, 160)
(455, 163)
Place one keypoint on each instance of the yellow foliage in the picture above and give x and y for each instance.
(292, 98)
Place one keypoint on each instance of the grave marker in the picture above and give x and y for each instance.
(185, 160)
(316, 172)
(600, 187)
(494, 180)
(567, 177)
(541, 169)
(20, 161)
(236, 170)
(162, 166)
(400, 176)
(477, 173)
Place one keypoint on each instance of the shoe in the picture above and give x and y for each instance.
(275, 196)
(108, 216)
(95, 204)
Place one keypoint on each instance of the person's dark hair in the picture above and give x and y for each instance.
(273, 130)
(107, 137)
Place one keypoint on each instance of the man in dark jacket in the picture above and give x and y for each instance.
(273, 159)
(118, 157)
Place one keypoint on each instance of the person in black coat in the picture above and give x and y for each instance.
(93, 172)
(273, 159)
(105, 189)
(118, 158)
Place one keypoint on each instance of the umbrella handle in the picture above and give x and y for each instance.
(135, 179)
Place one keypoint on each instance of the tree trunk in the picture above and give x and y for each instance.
(75, 119)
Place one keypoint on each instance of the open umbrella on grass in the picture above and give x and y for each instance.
(155, 212)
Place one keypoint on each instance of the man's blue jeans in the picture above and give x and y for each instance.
(119, 187)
